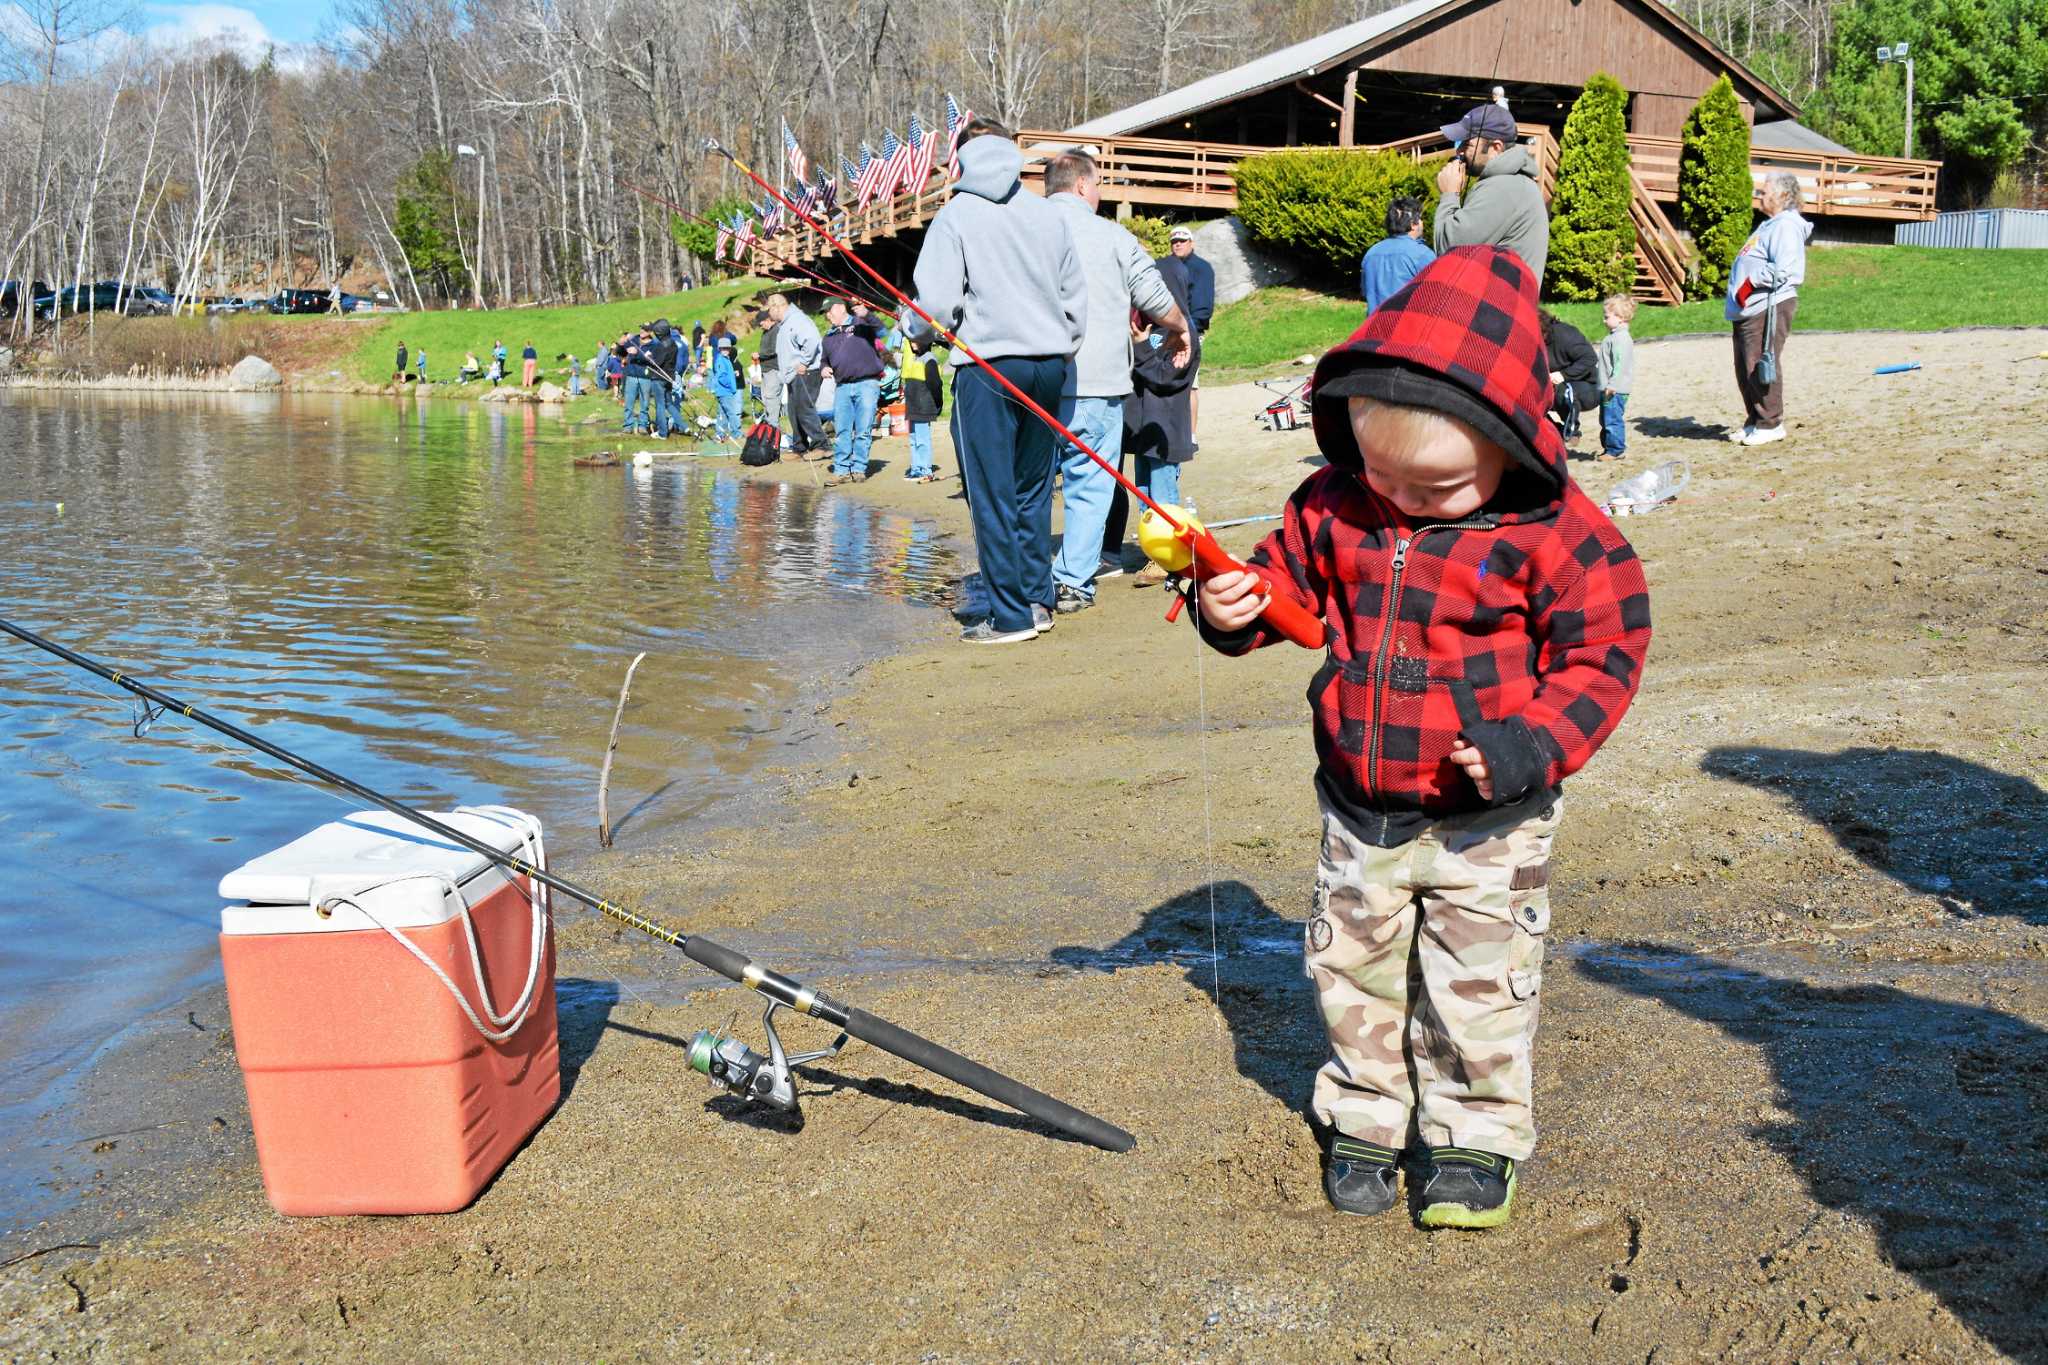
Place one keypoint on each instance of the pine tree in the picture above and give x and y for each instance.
(1592, 238)
(1715, 192)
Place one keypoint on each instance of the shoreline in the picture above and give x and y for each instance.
(1768, 979)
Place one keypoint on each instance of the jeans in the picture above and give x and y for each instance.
(575, 385)
(640, 404)
(728, 418)
(920, 449)
(1088, 488)
(853, 421)
(1614, 424)
(1159, 478)
(671, 407)
(1006, 460)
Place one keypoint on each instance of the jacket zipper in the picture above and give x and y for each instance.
(1381, 668)
(1385, 662)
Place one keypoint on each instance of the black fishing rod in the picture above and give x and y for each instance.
(724, 1060)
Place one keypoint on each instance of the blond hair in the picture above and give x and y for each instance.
(1621, 305)
(1400, 431)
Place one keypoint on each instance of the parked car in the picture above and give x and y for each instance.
(298, 301)
(150, 301)
(12, 294)
(74, 298)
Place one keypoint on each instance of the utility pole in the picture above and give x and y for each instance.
(1898, 52)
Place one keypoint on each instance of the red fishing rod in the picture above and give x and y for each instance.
(1209, 559)
(824, 285)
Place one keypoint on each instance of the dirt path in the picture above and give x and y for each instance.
(1795, 1052)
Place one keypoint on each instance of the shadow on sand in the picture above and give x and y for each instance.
(1925, 1119)
(1265, 1000)
(1971, 835)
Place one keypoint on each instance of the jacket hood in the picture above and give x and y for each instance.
(1513, 160)
(989, 167)
(1463, 338)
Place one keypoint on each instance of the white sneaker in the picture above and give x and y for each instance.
(1763, 436)
(1741, 437)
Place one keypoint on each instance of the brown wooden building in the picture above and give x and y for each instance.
(1422, 64)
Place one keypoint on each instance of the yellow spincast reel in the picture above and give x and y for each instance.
(1162, 544)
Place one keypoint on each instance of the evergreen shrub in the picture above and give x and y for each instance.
(1715, 193)
(1592, 238)
(1328, 205)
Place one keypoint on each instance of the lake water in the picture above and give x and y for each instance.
(424, 596)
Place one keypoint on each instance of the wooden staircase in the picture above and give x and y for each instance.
(1663, 257)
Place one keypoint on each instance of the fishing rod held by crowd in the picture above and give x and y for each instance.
(723, 1059)
(1197, 548)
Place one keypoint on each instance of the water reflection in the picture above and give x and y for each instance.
(423, 595)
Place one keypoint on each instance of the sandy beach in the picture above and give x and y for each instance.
(1792, 1070)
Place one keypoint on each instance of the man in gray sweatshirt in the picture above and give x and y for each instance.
(799, 355)
(1490, 192)
(1121, 276)
(999, 268)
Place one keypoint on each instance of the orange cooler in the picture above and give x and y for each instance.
(381, 1078)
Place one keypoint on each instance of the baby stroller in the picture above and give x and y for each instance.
(1289, 409)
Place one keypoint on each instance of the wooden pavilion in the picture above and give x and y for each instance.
(1391, 81)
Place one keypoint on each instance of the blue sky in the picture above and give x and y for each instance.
(256, 22)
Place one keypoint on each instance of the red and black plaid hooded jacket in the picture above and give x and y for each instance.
(1522, 627)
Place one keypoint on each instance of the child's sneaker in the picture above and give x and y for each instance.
(1467, 1188)
(1360, 1177)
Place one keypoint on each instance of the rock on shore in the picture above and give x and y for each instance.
(254, 372)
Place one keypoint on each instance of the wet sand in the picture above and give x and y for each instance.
(1794, 1058)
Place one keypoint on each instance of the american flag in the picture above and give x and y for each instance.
(743, 231)
(924, 161)
(896, 161)
(798, 165)
(724, 236)
(828, 191)
(956, 122)
(849, 174)
(802, 198)
(870, 174)
(910, 182)
(771, 217)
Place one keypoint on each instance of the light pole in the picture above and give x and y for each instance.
(1897, 53)
(476, 276)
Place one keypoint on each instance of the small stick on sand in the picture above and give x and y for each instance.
(604, 780)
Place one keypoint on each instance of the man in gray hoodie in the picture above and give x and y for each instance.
(799, 355)
(1490, 192)
(1121, 276)
(999, 268)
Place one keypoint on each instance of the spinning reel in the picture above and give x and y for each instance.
(735, 1067)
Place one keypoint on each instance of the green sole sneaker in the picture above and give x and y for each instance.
(1462, 1193)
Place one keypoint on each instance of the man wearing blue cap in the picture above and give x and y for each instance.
(1491, 196)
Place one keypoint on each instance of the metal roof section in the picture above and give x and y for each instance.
(1305, 58)
(1787, 136)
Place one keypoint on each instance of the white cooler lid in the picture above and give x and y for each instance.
(346, 856)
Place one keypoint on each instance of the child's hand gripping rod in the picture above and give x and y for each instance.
(1281, 613)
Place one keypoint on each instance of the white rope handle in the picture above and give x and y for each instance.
(501, 1026)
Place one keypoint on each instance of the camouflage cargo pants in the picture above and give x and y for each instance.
(1427, 960)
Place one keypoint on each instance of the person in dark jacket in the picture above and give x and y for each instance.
(924, 402)
(1488, 627)
(1201, 298)
(771, 369)
(663, 356)
(1575, 376)
(639, 389)
(1159, 418)
(857, 385)
(398, 375)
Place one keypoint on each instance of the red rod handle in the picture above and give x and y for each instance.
(1282, 612)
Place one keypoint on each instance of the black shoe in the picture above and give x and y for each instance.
(1070, 600)
(1467, 1188)
(1360, 1177)
(1111, 567)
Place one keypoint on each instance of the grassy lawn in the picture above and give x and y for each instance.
(1848, 289)
(447, 336)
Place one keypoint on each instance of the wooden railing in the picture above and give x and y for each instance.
(1148, 170)
(1850, 186)
(1663, 258)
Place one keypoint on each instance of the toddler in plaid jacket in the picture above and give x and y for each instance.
(1488, 627)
